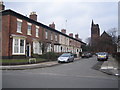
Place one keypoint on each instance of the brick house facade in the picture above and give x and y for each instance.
(23, 36)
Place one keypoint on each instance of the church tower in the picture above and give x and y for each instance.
(95, 33)
(2, 6)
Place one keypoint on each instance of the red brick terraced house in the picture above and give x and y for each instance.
(23, 36)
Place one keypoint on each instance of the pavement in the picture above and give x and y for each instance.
(31, 66)
(110, 67)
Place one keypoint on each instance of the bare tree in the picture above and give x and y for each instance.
(88, 40)
(113, 32)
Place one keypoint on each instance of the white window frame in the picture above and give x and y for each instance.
(13, 45)
(56, 38)
(37, 31)
(37, 49)
(46, 34)
(29, 31)
(51, 36)
(19, 28)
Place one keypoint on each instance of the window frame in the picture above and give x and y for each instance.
(37, 47)
(37, 31)
(46, 34)
(51, 36)
(19, 28)
(29, 31)
(56, 37)
(19, 47)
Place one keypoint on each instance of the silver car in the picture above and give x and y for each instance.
(66, 57)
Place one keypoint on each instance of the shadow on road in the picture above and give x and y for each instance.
(98, 65)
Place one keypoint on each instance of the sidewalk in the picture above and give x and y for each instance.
(31, 66)
(110, 67)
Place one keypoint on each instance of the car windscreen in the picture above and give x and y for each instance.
(101, 53)
(65, 55)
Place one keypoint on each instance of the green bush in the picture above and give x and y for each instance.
(50, 56)
(35, 56)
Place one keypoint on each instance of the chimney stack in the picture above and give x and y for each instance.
(33, 16)
(71, 34)
(52, 25)
(2, 6)
(76, 36)
(63, 31)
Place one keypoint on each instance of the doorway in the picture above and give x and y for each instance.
(28, 50)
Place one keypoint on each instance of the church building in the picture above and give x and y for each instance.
(101, 43)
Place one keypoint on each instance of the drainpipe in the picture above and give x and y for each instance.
(9, 27)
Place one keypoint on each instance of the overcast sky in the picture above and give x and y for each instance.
(75, 16)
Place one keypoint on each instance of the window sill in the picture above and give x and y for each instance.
(29, 34)
(18, 53)
(19, 32)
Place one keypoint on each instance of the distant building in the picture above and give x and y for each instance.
(101, 43)
(95, 33)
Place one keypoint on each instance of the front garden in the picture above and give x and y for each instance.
(50, 56)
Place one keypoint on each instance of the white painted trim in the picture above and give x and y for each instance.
(28, 34)
(37, 35)
(37, 26)
(19, 20)
(19, 46)
(29, 23)
(18, 36)
(19, 32)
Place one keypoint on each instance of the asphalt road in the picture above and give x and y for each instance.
(78, 74)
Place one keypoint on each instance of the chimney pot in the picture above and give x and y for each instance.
(76, 36)
(33, 16)
(52, 25)
(63, 31)
(71, 34)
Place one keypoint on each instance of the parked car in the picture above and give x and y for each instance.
(102, 56)
(66, 57)
(86, 55)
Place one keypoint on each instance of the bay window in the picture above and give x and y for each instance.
(18, 46)
(37, 47)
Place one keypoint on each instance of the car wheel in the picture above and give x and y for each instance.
(59, 62)
(72, 60)
(68, 60)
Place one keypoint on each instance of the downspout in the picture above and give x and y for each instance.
(9, 28)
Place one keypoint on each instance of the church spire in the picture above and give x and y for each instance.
(2, 6)
(92, 22)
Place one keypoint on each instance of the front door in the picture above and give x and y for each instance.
(28, 50)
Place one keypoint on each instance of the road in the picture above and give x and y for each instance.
(78, 74)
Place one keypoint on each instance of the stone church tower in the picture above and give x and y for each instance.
(95, 33)
(101, 43)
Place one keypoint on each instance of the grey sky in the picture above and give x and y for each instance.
(79, 15)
